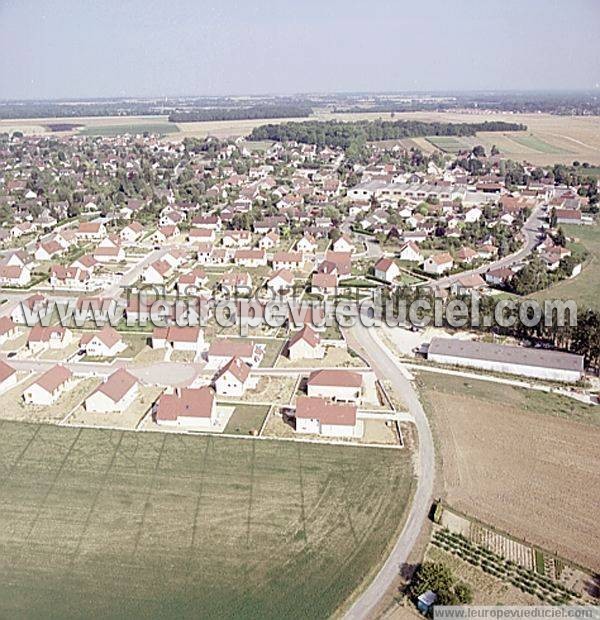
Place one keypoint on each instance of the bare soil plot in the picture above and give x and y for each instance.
(12, 406)
(334, 357)
(525, 462)
(269, 389)
(112, 523)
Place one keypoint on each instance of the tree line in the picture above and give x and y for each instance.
(345, 134)
(236, 114)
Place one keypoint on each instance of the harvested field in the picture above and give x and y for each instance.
(522, 461)
(561, 138)
(100, 524)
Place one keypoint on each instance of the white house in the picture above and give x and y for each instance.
(178, 338)
(13, 275)
(343, 244)
(30, 310)
(410, 252)
(317, 416)
(131, 233)
(48, 388)
(8, 329)
(305, 344)
(222, 350)
(187, 407)
(386, 269)
(105, 343)
(342, 385)
(234, 378)
(41, 338)
(114, 394)
(8, 377)
(437, 264)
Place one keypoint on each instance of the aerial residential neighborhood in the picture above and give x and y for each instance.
(329, 349)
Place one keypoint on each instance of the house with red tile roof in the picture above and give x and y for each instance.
(114, 394)
(8, 329)
(337, 384)
(386, 269)
(8, 377)
(221, 350)
(305, 344)
(319, 416)
(187, 407)
(185, 338)
(108, 342)
(48, 388)
(41, 338)
(234, 378)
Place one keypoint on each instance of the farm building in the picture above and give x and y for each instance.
(528, 362)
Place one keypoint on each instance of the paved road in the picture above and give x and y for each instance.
(530, 231)
(159, 373)
(385, 365)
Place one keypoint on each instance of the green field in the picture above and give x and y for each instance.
(121, 524)
(450, 144)
(584, 287)
(535, 143)
(246, 418)
(133, 128)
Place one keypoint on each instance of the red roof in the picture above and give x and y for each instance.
(237, 367)
(53, 378)
(189, 402)
(325, 411)
(117, 385)
(5, 371)
(335, 378)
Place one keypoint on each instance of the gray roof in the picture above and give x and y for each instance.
(542, 358)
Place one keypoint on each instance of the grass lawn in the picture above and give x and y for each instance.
(247, 418)
(100, 523)
(584, 287)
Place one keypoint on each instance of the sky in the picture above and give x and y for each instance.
(110, 48)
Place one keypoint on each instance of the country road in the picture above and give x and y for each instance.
(365, 341)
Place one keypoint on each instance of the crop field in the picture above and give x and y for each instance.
(549, 139)
(450, 144)
(100, 523)
(522, 461)
(584, 287)
(133, 128)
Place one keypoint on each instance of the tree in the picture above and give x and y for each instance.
(495, 150)
(532, 278)
(478, 151)
(438, 577)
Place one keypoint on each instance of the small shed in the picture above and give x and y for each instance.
(426, 601)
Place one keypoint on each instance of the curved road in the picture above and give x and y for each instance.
(530, 231)
(365, 341)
